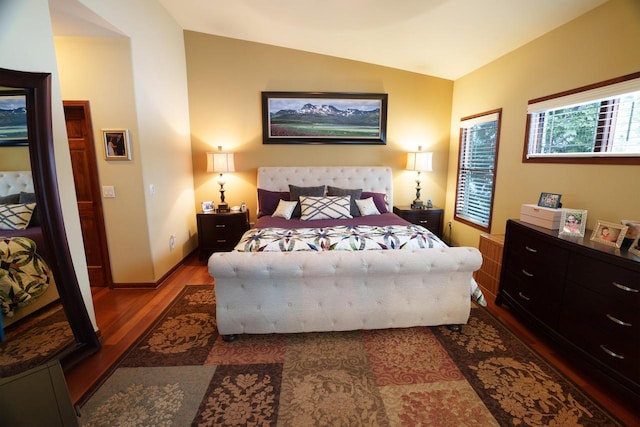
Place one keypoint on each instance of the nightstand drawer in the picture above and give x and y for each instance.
(431, 219)
(220, 232)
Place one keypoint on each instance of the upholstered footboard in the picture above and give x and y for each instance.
(274, 292)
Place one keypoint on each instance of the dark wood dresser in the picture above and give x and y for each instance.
(582, 294)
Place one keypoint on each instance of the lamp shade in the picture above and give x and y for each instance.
(420, 161)
(220, 162)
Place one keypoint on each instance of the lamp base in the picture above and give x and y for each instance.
(223, 208)
(417, 204)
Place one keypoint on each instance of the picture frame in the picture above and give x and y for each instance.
(324, 118)
(13, 118)
(635, 247)
(550, 200)
(208, 206)
(573, 223)
(609, 233)
(116, 144)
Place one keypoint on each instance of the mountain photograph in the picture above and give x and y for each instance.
(326, 121)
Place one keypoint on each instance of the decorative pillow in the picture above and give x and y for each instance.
(354, 193)
(31, 198)
(285, 209)
(268, 201)
(332, 207)
(295, 192)
(367, 207)
(10, 199)
(16, 217)
(380, 199)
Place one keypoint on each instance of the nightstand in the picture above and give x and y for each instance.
(431, 219)
(220, 232)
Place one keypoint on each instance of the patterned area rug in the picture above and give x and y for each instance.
(181, 373)
(34, 340)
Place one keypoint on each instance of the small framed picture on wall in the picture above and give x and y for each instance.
(116, 144)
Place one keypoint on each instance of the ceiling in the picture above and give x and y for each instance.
(441, 38)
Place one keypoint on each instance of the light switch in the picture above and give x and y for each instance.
(108, 191)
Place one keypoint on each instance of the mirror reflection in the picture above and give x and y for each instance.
(34, 259)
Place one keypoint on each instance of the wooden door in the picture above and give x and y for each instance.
(85, 176)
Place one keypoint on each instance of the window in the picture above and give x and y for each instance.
(595, 124)
(477, 165)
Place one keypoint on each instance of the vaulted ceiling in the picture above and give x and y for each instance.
(442, 38)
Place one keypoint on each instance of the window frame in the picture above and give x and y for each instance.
(585, 159)
(456, 217)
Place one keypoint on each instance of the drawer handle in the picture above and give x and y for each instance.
(624, 288)
(618, 321)
(220, 225)
(611, 353)
(526, 273)
(221, 241)
(524, 297)
(424, 221)
(530, 249)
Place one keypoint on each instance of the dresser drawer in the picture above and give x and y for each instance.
(543, 302)
(584, 309)
(606, 279)
(607, 330)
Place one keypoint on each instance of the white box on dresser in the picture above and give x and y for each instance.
(540, 216)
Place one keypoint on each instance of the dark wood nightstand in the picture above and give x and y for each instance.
(431, 219)
(220, 232)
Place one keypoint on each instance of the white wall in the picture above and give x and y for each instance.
(26, 44)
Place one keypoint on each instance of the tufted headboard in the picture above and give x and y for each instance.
(12, 182)
(378, 179)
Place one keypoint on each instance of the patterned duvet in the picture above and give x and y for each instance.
(338, 238)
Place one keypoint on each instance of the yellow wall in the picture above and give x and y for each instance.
(227, 76)
(90, 68)
(600, 45)
(147, 95)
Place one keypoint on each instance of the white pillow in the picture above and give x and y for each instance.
(330, 207)
(285, 209)
(367, 206)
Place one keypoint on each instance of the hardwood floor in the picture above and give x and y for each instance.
(124, 314)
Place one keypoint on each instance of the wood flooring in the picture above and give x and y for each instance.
(124, 314)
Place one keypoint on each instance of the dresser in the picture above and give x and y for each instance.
(431, 219)
(220, 232)
(582, 294)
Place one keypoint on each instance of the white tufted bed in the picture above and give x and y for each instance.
(309, 291)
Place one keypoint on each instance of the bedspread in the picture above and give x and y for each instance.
(338, 238)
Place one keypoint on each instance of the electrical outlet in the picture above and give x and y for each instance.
(172, 242)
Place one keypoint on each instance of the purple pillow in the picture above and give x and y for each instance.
(268, 201)
(378, 200)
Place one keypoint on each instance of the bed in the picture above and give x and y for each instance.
(17, 192)
(278, 281)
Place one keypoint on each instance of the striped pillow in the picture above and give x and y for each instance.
(331, 207)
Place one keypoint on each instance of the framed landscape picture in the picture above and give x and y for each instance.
(324, 118)
(13, 119)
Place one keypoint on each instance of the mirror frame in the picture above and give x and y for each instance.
(41, 153)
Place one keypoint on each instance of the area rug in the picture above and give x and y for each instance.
(182, 373)
(34, 340)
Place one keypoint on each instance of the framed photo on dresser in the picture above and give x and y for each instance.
(635, 247)
(609, 233)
